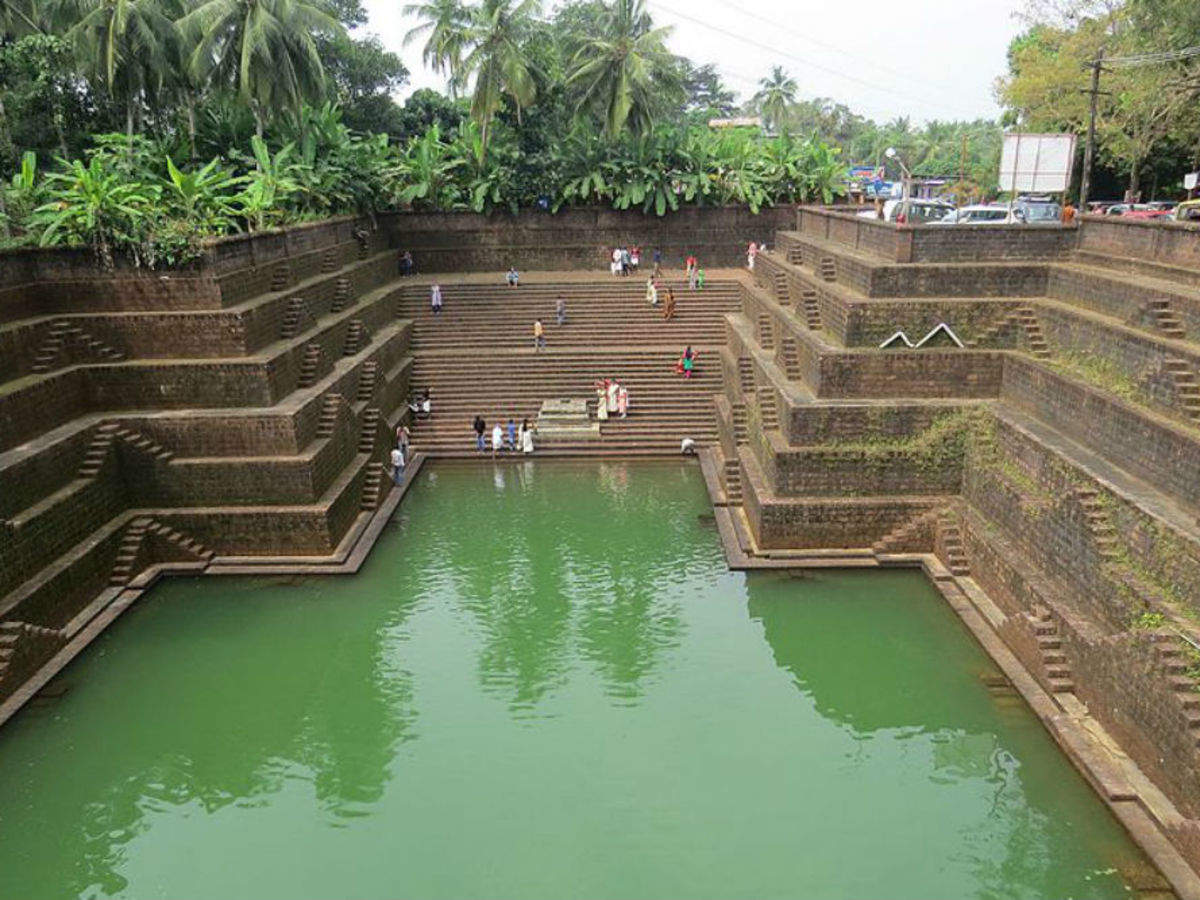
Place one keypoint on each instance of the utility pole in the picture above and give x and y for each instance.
(1089, 152)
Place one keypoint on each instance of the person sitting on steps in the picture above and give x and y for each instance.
(513, 277)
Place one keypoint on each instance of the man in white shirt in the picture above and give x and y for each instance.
(497, 439)
(397, 465)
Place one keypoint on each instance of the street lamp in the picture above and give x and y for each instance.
(905, 181)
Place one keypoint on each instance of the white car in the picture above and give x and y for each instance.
(980, 214)
(920, 212)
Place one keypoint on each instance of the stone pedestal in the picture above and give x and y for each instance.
(565, 420)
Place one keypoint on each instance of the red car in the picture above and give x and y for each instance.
(1145, 211)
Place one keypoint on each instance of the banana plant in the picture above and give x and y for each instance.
(203, 197)
(424, 176)
(269, 186)
(95, 206)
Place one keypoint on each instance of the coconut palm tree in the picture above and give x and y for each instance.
(497, 59)
(19, 17)
(125, 45)
(267, 49)
(776, 95)
(623, 69)
(445, 25)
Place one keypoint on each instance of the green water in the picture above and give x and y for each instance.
(545, 683)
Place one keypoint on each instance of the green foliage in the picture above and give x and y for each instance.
(97, 206)
(1148, 621)
(203, 197)
(1146, 123)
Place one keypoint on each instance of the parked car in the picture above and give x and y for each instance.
(1187, 211)
(1144, 211)
(980, 214)
(1036, 211)
(920, 212)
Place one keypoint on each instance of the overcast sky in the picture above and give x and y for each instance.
(928, 59)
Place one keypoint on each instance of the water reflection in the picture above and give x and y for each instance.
(206, 727)
(889, 663)
(574, 580)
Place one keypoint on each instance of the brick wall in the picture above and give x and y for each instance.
(580, 238)
(1172, 243)
(935, 243)
(1163, 455)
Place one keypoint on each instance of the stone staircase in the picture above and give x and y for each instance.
(1165, 319)
(356, 337)
(914, 535)
(69, 342)
(954, 554)
(476, 358)
(331, 407)
(731, 475)
(375, 487)
(1187, 389)
(93, 484)
(1054, 660)
(310, 364)
(134, 552)
(294, 315)
(789, 356)
(811, 309)
(1027, 319)
(1097, 523)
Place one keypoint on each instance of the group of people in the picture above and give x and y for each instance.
(626, 260)
(511, 438)
(695, 274)
(612, 399)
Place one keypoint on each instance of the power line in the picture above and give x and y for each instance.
(858, 59)
(726, 33)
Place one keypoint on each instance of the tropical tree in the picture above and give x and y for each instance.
(125, 45)
(497, 60)
(265, 48)
(445, 25)
(776, 95)
(621, 70)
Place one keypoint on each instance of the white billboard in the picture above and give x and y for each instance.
(1037, 163)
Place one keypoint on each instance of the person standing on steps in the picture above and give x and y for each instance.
(669, 305)
(616, 261)
(435, 298)
(699, 279)
(657, 263)
(651, 292)
(497, 439)
(539, 336)
(406, 263)
(751, 253)
(510, 439)
(635, 258)
(622, 401)
(526, 438)
(480, 427)
(397, 465)
(692, 266)
(560, 312)
(403, 438)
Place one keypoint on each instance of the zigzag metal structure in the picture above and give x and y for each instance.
(940, 328)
